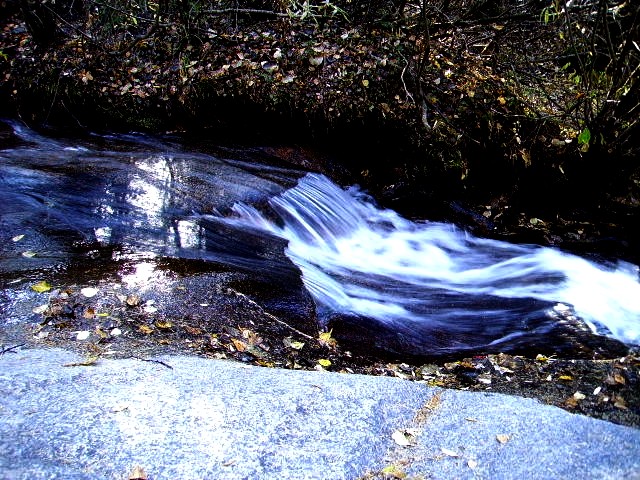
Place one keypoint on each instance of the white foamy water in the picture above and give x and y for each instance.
(359, 259)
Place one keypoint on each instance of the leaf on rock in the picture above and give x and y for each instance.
(89, 292)
(138, 473)
(41, 287)
(449, 453)
(290, 343)
(401, 438)
(393, 471)
(324, 362)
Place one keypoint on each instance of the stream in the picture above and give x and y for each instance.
(66, 204)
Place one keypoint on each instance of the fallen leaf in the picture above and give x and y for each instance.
(393, 471)
(17, 238)
(163, 324)
(620, 403)
(40, 309)
(88, 362)
(503, 438)
(324, 362)
(192, 330)
(579, 396)
(449, 453)
(29, 254)
(146, 329)
(101, 333)
(290, 343)
(83, 335)
(239, 344)
(89, 292)
(89, 313)
(41, 287)
(133, 300)
(472, 464)
(565, 377)
(327, 340)
(401, 438)
(138, 473)
(615, 378)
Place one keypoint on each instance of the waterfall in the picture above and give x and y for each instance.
(359, 259)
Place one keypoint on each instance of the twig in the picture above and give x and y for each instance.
(153, 361)
(272, 317)
(10, 349)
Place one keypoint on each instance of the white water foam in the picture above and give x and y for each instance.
(359, 259)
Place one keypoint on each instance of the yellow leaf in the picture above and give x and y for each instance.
(393, 471)
(41, 287)
(324, 362)
(327, 340)
(146, 329)
(565, 377)
(290, 343)
(502, 100)
(365, 83)
(164, 324)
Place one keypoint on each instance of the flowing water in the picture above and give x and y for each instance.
(433, 286)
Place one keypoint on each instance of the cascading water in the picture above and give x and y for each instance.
(435, 281)
(403, 287)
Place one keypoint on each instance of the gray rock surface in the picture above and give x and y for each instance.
(216, 419)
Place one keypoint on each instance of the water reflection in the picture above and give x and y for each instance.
(152, 196)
